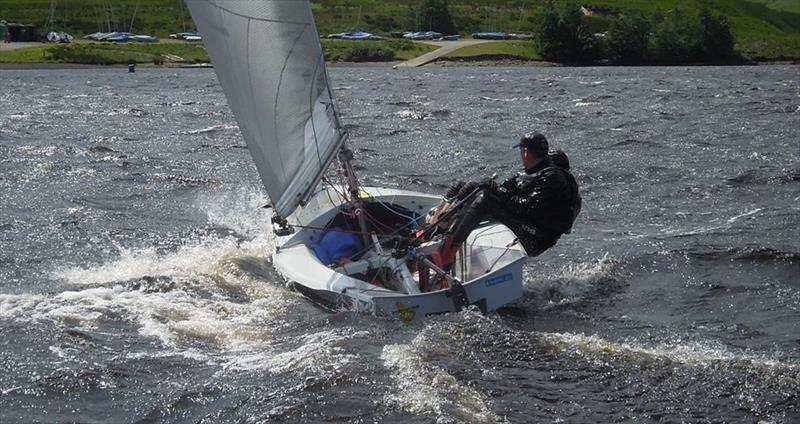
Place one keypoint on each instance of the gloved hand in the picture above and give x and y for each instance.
(467, 189)
(453, 190)
(524, 182)
(488, 183)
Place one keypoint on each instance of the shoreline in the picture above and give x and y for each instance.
(494, 63)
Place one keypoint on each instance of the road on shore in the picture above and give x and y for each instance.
(24, 44)
(445, 48)
(17, 45)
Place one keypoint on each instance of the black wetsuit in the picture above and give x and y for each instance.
(538, 205)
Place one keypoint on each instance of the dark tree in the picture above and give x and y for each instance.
(717, 39)
(677, 38)
(435, 16)
(628, 39)
(562, 35)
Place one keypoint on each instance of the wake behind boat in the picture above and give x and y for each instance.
(346, 245)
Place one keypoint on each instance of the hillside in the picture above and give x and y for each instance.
(785, 5)
(763, 29)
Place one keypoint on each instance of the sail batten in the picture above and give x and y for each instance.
(269, 61)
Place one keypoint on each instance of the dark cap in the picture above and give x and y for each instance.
(535, 142)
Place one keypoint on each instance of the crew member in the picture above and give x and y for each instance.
(538, 205)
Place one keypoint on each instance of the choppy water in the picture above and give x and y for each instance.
(135, 284)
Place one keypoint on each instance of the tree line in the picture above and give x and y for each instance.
(431, 15)
(563, 35)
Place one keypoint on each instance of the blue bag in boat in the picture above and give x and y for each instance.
(335, 245)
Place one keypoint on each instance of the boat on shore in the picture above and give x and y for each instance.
(355, 35)
(58, 37)
(121, 37)
(196, 66)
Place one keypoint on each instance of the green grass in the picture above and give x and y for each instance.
(762, 28)
(341, 50)
(761, 33)
(384, 16)
(785, 5)
(80, 17)
(105, 53)
(508, 49)
(27, 55)
(408, 50)
(116, 53)
(774, 48)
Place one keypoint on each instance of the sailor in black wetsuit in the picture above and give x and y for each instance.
(538, 205)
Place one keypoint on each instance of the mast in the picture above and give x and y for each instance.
(346, 157)
(130, 27)
(51, 18)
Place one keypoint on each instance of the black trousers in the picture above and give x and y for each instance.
(487, 206)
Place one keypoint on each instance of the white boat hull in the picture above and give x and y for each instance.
(490, 264)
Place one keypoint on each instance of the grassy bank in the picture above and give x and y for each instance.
(763, 29)
(521, 50)
(80, 17)
(108, 54)
(93, 53)
(760, 32)
(372, 51)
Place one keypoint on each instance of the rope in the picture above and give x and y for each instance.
(374, 220)
(309, 227)
(333, 186)
(329, 185)
(449, 212)
(508, 248)
(378, 224)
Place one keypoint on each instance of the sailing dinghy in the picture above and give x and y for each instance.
(347, 246)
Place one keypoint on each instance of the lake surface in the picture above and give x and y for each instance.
(136, 286)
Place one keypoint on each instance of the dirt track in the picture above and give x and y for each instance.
(445, 48)
(13, 46)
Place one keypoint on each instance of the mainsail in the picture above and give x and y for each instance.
(269, 61)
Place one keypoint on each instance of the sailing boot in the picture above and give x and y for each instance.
(446, 255)
(466, 221)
